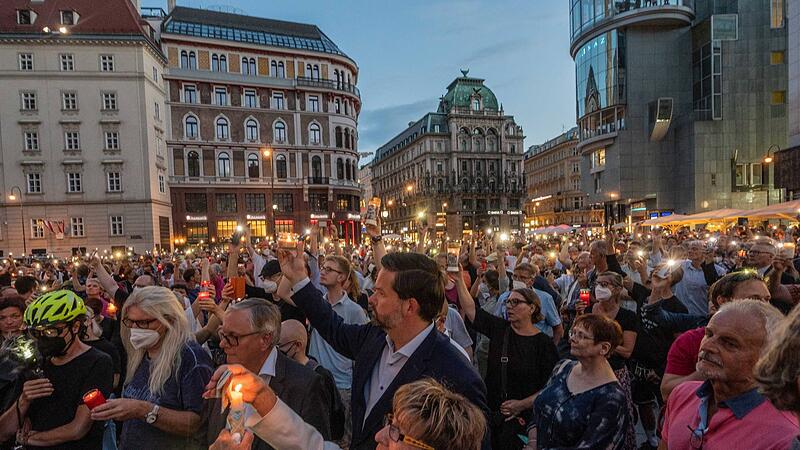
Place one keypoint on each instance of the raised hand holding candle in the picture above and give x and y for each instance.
(236, 414)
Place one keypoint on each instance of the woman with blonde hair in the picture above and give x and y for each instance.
(425, 416)
(167, 371)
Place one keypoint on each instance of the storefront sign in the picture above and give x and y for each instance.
(256, 217)
(319, 216)
(495, 213)
(354, 216)
(196, 218)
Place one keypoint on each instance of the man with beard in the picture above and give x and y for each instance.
(726, 410)
(401, 347)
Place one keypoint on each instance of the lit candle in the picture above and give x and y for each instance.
(236, 414)
(93, 399)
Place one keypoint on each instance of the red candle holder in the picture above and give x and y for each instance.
(93, 399)
(585, 296)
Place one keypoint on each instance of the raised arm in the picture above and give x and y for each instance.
(105, 279)
(465, 300)
(378, 247)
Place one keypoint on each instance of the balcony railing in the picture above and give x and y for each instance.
(239, 180)
(318, 180)
(328, 84)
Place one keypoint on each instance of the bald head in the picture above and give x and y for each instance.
(293, 332)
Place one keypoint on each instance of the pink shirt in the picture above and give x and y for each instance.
(682, 356)
(749, 422)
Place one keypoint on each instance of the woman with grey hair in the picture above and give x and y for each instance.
(167, 372)
(778, 371)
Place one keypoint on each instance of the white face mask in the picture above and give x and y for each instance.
(270, 286)
(602, 294)
(143, 338)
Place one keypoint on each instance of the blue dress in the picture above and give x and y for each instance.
(593, 419)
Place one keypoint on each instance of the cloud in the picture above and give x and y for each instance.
(496, 50)
(377, 126)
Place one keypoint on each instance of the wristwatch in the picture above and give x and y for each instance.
(151, 417)
(376, 239)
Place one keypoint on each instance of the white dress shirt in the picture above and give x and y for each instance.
(267, 372)
(392, 361)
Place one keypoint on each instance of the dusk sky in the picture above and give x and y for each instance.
(409, 51)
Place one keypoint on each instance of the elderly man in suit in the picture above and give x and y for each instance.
(250, 333)
(401, 347)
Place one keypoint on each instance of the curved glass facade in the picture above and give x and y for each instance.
(600, 73)
(585, 14)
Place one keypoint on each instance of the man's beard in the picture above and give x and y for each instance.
(388, 321)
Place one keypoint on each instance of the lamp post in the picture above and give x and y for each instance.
(769, 159)
(13, 197)
(444, 210)
(274, 223)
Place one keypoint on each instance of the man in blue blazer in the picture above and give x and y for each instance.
(399, 347)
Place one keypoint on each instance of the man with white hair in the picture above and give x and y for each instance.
(726, 410)
(698, 276)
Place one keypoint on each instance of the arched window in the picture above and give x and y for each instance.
(314, 134)
(280, 166)
(223, 63)
(309, 72)
(251, 130)
(249, 66)
(353, 140)
(191, 129)
(315, 72)
(440, 185)
(336, 78)
(349, 173)
(279, 132)
(339, 134)
(273, 69)
(252, 165)
(223, 129)
(346, 138)
(340, 169)
(184, 59)
(316, 167)
(192, 60)
(337, 106)
(215, 63)
(463, 145)
(476, 144)
(281, 70)
(193, 164)
(223, 165)
(476, 104)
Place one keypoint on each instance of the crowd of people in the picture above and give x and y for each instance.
(678, 339)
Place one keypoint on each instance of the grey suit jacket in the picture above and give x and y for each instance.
(302, 389)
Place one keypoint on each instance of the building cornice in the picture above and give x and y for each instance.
(84, 39)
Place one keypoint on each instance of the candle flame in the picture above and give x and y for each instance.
(238, 388)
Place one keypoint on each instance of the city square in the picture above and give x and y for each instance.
(456, 224)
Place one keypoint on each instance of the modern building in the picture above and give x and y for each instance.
(678, 103)
(263, 132)
(787, 161)
(458, 169)
(82, 129)
(553, 184)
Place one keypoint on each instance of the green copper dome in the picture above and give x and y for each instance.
(461, 92)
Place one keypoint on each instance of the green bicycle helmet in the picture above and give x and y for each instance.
(54, 307)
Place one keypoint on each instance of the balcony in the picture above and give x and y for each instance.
(328, 84)
(319, 180)
(234, 181)
(344, 183)
(588, 23)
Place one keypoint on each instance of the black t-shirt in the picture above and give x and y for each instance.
(287, 311)
(109, 349)
(654, 340)
(629, 322)
(530, 360)
(91, 370)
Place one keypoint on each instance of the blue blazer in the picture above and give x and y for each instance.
(435, 358)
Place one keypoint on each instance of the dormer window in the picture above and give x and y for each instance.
(476, 104)
(68, 17)
(25, 17)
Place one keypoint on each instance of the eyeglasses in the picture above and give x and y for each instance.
(513, 302)
(286, 346)
(233, 339)
(329, 269)
(578, 335)
(50, 332)
(138, 323)
(696, 439)
(396, 436)
(606, 284)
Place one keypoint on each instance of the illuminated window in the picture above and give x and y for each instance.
(284, 226)
(225, 228)
(258, 228)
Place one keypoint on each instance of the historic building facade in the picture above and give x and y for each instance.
(553, 183)
(459, 169)
(82, 129)
(264, 118)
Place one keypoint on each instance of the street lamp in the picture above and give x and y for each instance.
(13, 198)
(274, 222)
(768, 160)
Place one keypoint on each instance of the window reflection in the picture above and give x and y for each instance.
(586, 13)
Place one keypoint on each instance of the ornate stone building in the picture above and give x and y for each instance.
(553, 182)
(263, 132)
(459, 168)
